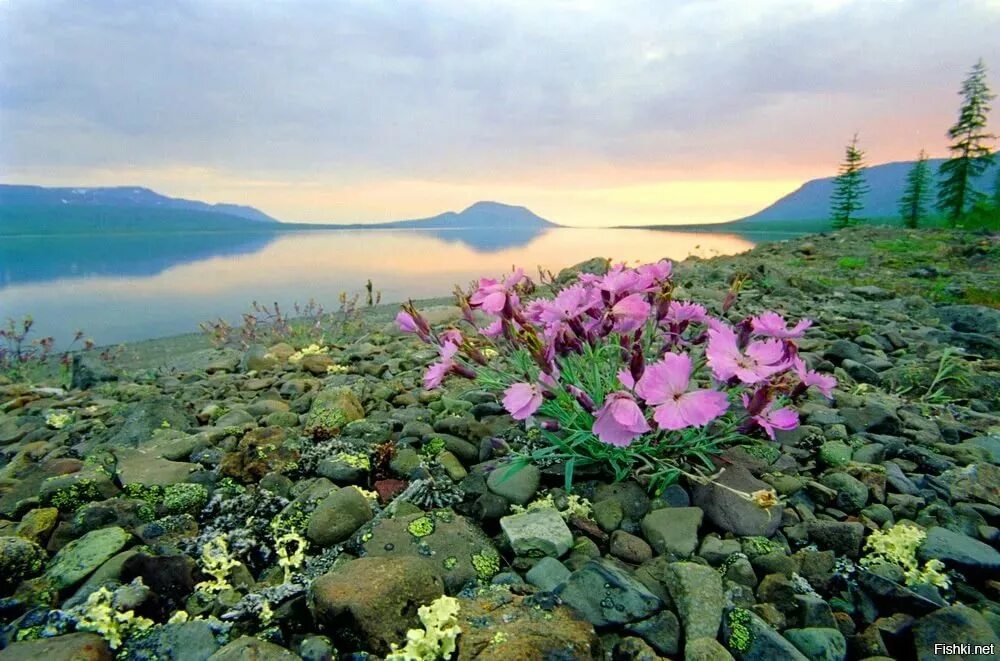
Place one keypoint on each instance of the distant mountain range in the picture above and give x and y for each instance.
(34, 210)
(811, 200)
(119, 196)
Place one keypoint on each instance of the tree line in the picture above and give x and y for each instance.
(958, 199)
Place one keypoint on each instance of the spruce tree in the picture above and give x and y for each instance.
(913, 204)
(971, 155)
(849, 188)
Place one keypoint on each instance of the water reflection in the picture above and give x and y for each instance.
(120, 301)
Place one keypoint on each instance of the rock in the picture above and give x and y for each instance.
(752, 639)
(960, 551)
(235, 418)
(974, 482)
(819, 644)
(513, 627)
(331, 411)
(370, 603)
(143, 418)
(317, 364)
(872, 417)
(138, 466)
(89, 370)
(595, 266)
(248, 648)
(873, 293)
(706, 649)
(673, 530)
(841, 350)
(257, 359)
(844, 538)
(697, 593)
(952, 625)
(82, 556)
(604, 593)
(517, 483)
(449, 545)
(68, 647)
(717, 550)
(338, 517)
(629, 548)
(540, 532)
(19, 559)
(662, 632)
(547, 574)
(188, 641)
(259, 452)
(608, 514)
(970, 318)
(38, 524)
(852, 494)
(732, 512)
(835, 453)
(991, 444)
(861, 372)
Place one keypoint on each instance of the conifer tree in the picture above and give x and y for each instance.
(913, 204)
(971, 154)
(849, 189)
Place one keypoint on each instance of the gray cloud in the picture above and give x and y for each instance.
(365, 89)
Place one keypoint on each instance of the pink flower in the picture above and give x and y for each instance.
(493, 296)
(656, 273)
(620, 420)
(771, 418)
(665, 385)
(568, 304)
(762, 359)
(452, 336)
(435, 373)
(620, 280)
(522, 400)
(630, 313)
(772, 324)
(825, 384)
(494, 329)
(681, 311)
(406, 322)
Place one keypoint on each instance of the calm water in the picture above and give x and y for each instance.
(126, 288)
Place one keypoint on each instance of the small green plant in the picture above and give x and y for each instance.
(851, 263)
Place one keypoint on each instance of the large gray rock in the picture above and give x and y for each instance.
(697, 592)
(604, 593)
(143, 418)
(82, 556)
(958, 550)
(517, 483)
(732, 512)
(338, 517)
(540, 532)
(819, 644)
(673, 530)
(952, 624)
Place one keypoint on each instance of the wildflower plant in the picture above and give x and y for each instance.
(619, 374)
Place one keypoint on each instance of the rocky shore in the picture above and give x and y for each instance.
(284, 502)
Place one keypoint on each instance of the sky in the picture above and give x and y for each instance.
(588, 112)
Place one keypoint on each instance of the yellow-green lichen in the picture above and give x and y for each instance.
(437, 639)
(58, 419)
(354, 460)
(217, 563)
(576, 506)
(99, 615)
(740, 636)
(291, 550)
(421, 527)
(486, 564)
(898, 545)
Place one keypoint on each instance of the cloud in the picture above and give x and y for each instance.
(476, 91)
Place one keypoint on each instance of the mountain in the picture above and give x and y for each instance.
(132, 197)
(481, 215)
(811, 201)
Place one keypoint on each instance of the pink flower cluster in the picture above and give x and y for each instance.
(679, 366)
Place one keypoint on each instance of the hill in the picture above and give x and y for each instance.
(130, 197)
(811, 201)
(481, 215)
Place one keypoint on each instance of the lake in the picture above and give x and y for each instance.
(139, 286)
